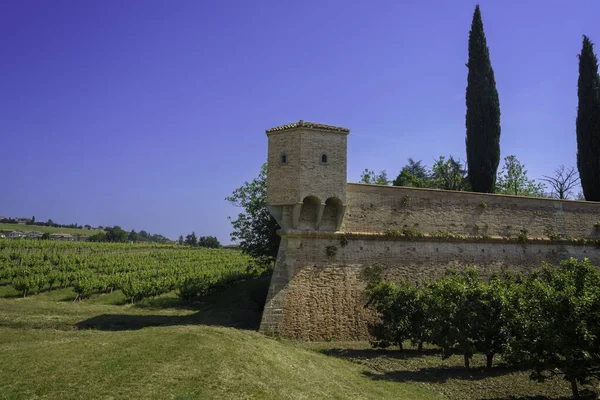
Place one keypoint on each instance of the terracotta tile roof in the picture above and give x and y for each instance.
(310, 125)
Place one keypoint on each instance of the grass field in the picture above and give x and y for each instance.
(103, 348)
(52, 348)
(49, 229)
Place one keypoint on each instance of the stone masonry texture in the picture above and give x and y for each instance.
(318, 294)
(316, 297)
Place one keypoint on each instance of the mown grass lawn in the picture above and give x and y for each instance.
(51, 348)
(103, 348)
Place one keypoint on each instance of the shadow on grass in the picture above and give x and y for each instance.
(539, 398)
(368, 354)
(239, 306)
(8, 296)
(441, 374)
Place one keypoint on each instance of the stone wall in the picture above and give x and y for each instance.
(380, 208)
(314, 296)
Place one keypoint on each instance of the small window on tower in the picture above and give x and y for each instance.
(284, 158)
(324, 158)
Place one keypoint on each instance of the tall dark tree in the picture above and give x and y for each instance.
(588, 122)
(483, 112)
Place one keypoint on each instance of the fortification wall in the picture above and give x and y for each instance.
(380, 208)
(314, 296)
(317, 289)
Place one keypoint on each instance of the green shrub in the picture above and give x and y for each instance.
(343, 241)
(331, 251)
(194, 288)
(522, 236)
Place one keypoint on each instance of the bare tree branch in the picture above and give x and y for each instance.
(563, 182)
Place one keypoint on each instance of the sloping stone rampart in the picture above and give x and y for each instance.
(314, 296)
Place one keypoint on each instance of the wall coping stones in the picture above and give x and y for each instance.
(369, 188)
(425, 237)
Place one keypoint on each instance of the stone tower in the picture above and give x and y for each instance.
(306, 176)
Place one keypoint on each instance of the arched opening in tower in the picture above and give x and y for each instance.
(309, 212)
(333, 207)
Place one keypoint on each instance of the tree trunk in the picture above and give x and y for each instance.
(467, 359)
(400, 346)
(574, 388)
(420, 347)
(489, 360)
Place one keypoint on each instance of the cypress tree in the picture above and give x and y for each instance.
(483, 112)
(588, 122)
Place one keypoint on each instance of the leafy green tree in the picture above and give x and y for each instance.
(452, 315)
(558, 324)
(209, 241)
(191, 239)
(588, 122)
(513, 180)
(413, 174)
(45, 236)
(469, 316)
(388, 331)
(116, 235)
(132, 236)
(403, 313)
(98, 237)
(483, 112)
(255, 228)
(449, 174)
(180, 239)
(371, 178)
(143, 236)
(491, 305)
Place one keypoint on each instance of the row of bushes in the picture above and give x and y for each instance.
(547, 321)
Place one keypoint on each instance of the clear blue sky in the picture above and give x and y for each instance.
(147, 114)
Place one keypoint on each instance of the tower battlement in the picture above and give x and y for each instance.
(306, 175)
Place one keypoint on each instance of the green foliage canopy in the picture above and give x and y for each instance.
(514, 180)
(255, 228)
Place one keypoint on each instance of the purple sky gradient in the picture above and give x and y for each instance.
(147, 114)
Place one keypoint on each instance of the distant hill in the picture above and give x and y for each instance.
(49, 229)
